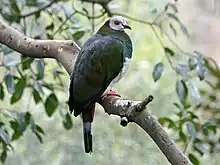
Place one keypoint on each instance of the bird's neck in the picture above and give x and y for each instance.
(107, 31)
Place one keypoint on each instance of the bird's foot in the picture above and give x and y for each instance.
(110, 93)
(113, 93)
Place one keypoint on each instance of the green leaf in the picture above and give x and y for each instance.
(31, 2)
(182, 70)
(27, 118)
(191, 130)
(37, 15)
(172, 6)
(40, 69)
(213, 98)
(33, 125)
(8, 17)
(182, 26)
(169, 51)
(36, 95)
(199, 148)
(16, 135)
(49, 36)
(194, 92)
(212, 128)
(181, 90)
(86, 11)
(48, 86)
(11, 61)
(4, 136)
(3, 156)
(193, 159)
(184, 29)
(67, 123)
(39, 87)
(192, 115)
(6, 50)
(167, 120)
(186, 105)
(19, 89)
(173, 29)
(200, 68)
(51, 104)
(2, 93)
(77, 35)
(179, 106)
(39, 137)
(50, 27)
(192, 62)
(14, 125)
(19, 125)
(1, 124)
(21, 122)
(182, 136)
(26, 63)
(39, 129)
(9, 82)
(212, 67)
(158, 70)
(15, 7)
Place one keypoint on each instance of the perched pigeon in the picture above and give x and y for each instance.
(101, 63)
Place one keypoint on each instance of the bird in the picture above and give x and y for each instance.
(101, 62)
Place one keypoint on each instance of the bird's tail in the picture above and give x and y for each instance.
(87, 128)
(87, 136)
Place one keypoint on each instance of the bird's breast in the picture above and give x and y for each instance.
(121, 73)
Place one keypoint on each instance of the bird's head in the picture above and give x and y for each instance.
(118, 23)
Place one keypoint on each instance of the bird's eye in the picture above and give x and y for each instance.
(116, 22)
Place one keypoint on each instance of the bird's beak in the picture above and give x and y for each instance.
(126, 26)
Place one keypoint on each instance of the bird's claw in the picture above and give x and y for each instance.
(110, 93)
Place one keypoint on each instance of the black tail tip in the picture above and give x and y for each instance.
(88, 142)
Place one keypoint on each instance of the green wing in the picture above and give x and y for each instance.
(99, 62)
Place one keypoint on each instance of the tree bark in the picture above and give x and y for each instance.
(66, 52)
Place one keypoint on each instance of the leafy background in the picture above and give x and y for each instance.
(35, 126)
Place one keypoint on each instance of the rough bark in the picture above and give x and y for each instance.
(66, 52)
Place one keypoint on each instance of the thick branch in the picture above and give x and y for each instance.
(66, 52)
(130, 109)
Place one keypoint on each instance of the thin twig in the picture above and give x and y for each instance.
(163, 46)
(144, 103)
(158, 16)
(108, 11)
(186, 145)
(64, 22)
(177, 46)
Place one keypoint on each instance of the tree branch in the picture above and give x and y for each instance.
(66, 52)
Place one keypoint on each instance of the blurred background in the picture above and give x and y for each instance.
(166, 32)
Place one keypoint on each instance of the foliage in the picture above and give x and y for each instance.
(197, 119)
